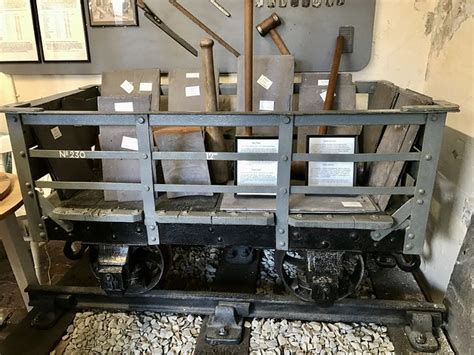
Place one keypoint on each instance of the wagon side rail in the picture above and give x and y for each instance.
(432, 119)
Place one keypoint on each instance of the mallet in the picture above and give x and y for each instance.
(214, 135)
(269, 25)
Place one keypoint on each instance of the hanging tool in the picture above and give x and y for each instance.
(149, 14)
(259, 3)
(282, 3)
(220, 7)
(204, 27)
(295, 3)
(271, 3)
(305, 3)
(329, 3)
(317, 3)
(340, 2)
(214, 135)
(269, 25)
(336, 61)
(248, 59)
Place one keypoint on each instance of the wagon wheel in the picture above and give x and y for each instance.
(292, 268)
(145, 268)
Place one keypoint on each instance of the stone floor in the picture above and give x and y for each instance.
(11, 302)
(12, 308)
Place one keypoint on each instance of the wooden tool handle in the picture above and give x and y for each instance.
(279, 42)
(248, 59)
(210, 92)
(336, 61)
(214, 135)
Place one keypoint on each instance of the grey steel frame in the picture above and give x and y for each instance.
(431, 117)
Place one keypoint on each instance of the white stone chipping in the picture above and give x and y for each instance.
(274, 337)
(132, 333)
(154, 333)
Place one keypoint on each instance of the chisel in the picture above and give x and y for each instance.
(220, 7)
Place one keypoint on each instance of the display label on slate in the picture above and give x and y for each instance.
(351, 204)
(123, 107)
(127, 86)
(323, 82)
(264, 82)
(56, 132)
(192, 75)
(266, 105)
(147, 87)
(323, 95)
(129, 143)
(192, 91)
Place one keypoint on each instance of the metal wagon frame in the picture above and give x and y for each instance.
(402, 232)
(431, 117)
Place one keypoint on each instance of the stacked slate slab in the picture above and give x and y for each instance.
(125, 92)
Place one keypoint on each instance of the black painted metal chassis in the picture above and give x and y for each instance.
(229, 235)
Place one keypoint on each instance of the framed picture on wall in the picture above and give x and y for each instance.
(62, 31)
(113, 12)
(18, 41)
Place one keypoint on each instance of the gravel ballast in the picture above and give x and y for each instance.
(154, 333)
(134, 333)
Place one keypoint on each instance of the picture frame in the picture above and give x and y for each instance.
(62, 31)
(344, 174)
(112, 13)
(267, 169)
(24, 43)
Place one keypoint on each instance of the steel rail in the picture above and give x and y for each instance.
(389, 312)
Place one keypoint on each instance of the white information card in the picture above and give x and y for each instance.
(322, 173)
(63, 36)
(17, 32)
(256, 173)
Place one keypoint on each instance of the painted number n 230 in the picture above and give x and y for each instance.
(72, 154)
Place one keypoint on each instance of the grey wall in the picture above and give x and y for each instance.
(310, 34)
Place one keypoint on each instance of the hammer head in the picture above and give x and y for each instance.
(268, 24)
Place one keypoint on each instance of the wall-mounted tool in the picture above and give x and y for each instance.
(271, 3)
(294, 3)
(259, 3)
(269, 25)
(305, 3)
(340, 2)
(282, 3)
(214, 135)
(220, 7)
(317, 3)
(204, 27)
(149, 14)
(329, 3)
